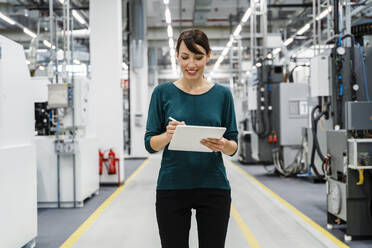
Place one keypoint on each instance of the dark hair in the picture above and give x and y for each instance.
(192, 37)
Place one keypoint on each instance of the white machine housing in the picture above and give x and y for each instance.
(87, 179)
(320, 75)
(18, 215)
(86, 147)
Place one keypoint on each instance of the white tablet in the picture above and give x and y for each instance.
(187, 138)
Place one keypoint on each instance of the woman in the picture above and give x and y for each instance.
(192, 180)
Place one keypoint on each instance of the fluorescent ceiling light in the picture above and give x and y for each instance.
(166, 1)
(168, 16)
(246, 15)
(125, 66)
(47, 43)
(303, 29)
(29, 32)
(323, 14)
(76, 61)
(225, 51)
(237, 30)
(7, 19)
(276, 51)
(61, 1)
(288, 41)
(78, 17)
(171, 43)
(220, 59)
(229, 44)
(172, 52)
(170, 31)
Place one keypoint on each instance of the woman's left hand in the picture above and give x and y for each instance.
(216, 145)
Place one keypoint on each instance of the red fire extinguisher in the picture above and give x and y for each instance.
(101, 158)
(112, 162)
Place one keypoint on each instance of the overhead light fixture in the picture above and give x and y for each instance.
(303, 29)
(269, 56)
(324, 13)
(7, 19)
(172, 52)
(246, 15)
(229, 44)
(41, 68)
(276, 51)
(29, 32)
(125, 66)
(78, 17)
(171, 43)
(168, 18)
(258, 64)
(47, 44)
(61, 1)
(170, 31)
(225, 51)
(219, 60)
(76, 61)
(288, 41)
(237, 30)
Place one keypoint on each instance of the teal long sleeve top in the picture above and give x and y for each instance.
(184, 169)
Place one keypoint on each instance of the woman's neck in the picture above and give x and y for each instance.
(193, 84)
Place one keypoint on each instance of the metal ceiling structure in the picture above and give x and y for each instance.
(217, 17)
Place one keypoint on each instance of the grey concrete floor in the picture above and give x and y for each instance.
(56, 225)
(130, 221)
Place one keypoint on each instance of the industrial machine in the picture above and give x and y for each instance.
(341, 132)
(18, 226)
(279, 111)
(67, 151)
(261, 114)
(66, 144)
(289, 115)
(348, 168)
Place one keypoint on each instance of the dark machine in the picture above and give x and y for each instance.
(346, 162)
(43, 119)
(263, 138)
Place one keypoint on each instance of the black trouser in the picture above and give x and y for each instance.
(173, 211)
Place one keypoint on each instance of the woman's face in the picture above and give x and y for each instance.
(192, 64)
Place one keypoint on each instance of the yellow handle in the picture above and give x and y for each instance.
(361, 177)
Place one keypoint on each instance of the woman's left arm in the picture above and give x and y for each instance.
(226, 146)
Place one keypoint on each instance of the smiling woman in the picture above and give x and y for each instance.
(192, 180)
(193, 53)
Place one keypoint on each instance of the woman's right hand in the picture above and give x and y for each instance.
(171, 128)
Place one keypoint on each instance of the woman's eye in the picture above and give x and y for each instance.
(184, 58)
(199, 58)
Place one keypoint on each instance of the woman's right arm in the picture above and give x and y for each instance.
(158, 135)
(158, 142)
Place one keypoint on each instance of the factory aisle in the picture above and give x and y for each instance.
(258, 218)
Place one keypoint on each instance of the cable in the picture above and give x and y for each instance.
(291, 73)
(364, 72)
(315, 143)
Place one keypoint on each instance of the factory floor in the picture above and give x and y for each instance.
(267, 211)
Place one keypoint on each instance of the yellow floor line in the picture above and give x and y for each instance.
(293, 209)
(80, 231)
(244, 228)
